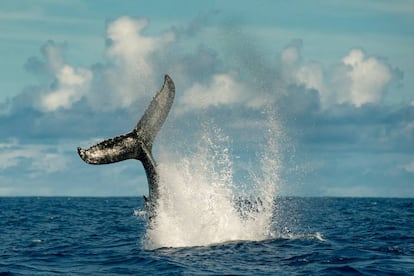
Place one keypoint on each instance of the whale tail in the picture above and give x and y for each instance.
(136, 144)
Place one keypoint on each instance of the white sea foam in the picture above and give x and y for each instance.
(198, 204)
(139, 213)
(310, 236)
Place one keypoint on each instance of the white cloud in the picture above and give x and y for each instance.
(66, 85)
(133, 60)
(42, 158)
(132, 48)
(295, 71)
(368, 76)
(312, 76)
(356, 80)
(224, 89)
(125, 77)
(72, 86)
(131, 53)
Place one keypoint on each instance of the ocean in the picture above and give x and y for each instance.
(307, 236)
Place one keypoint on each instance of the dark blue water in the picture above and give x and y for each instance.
(331, 236)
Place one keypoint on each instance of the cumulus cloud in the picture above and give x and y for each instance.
(368, 78)
(72, 85)
(124, 77)
(129, 73)
(223, 89)
(129, 46)
(133, 60)
(357, 79)
(295, 71)
(61, 84)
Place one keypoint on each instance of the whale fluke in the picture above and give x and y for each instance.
(137, 144)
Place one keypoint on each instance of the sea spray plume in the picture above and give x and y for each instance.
(137, 144)
(269, 180)
(196, 196)
(198, 205)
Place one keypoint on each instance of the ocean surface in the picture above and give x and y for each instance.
(93, 236)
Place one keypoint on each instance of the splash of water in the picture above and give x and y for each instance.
(198, 205)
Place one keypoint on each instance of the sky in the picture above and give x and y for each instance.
(337, 77)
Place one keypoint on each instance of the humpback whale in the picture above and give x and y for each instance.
(137, 144)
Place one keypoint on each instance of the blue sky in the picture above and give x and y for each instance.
(339, 75)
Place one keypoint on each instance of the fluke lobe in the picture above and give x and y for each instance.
(137, 144)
